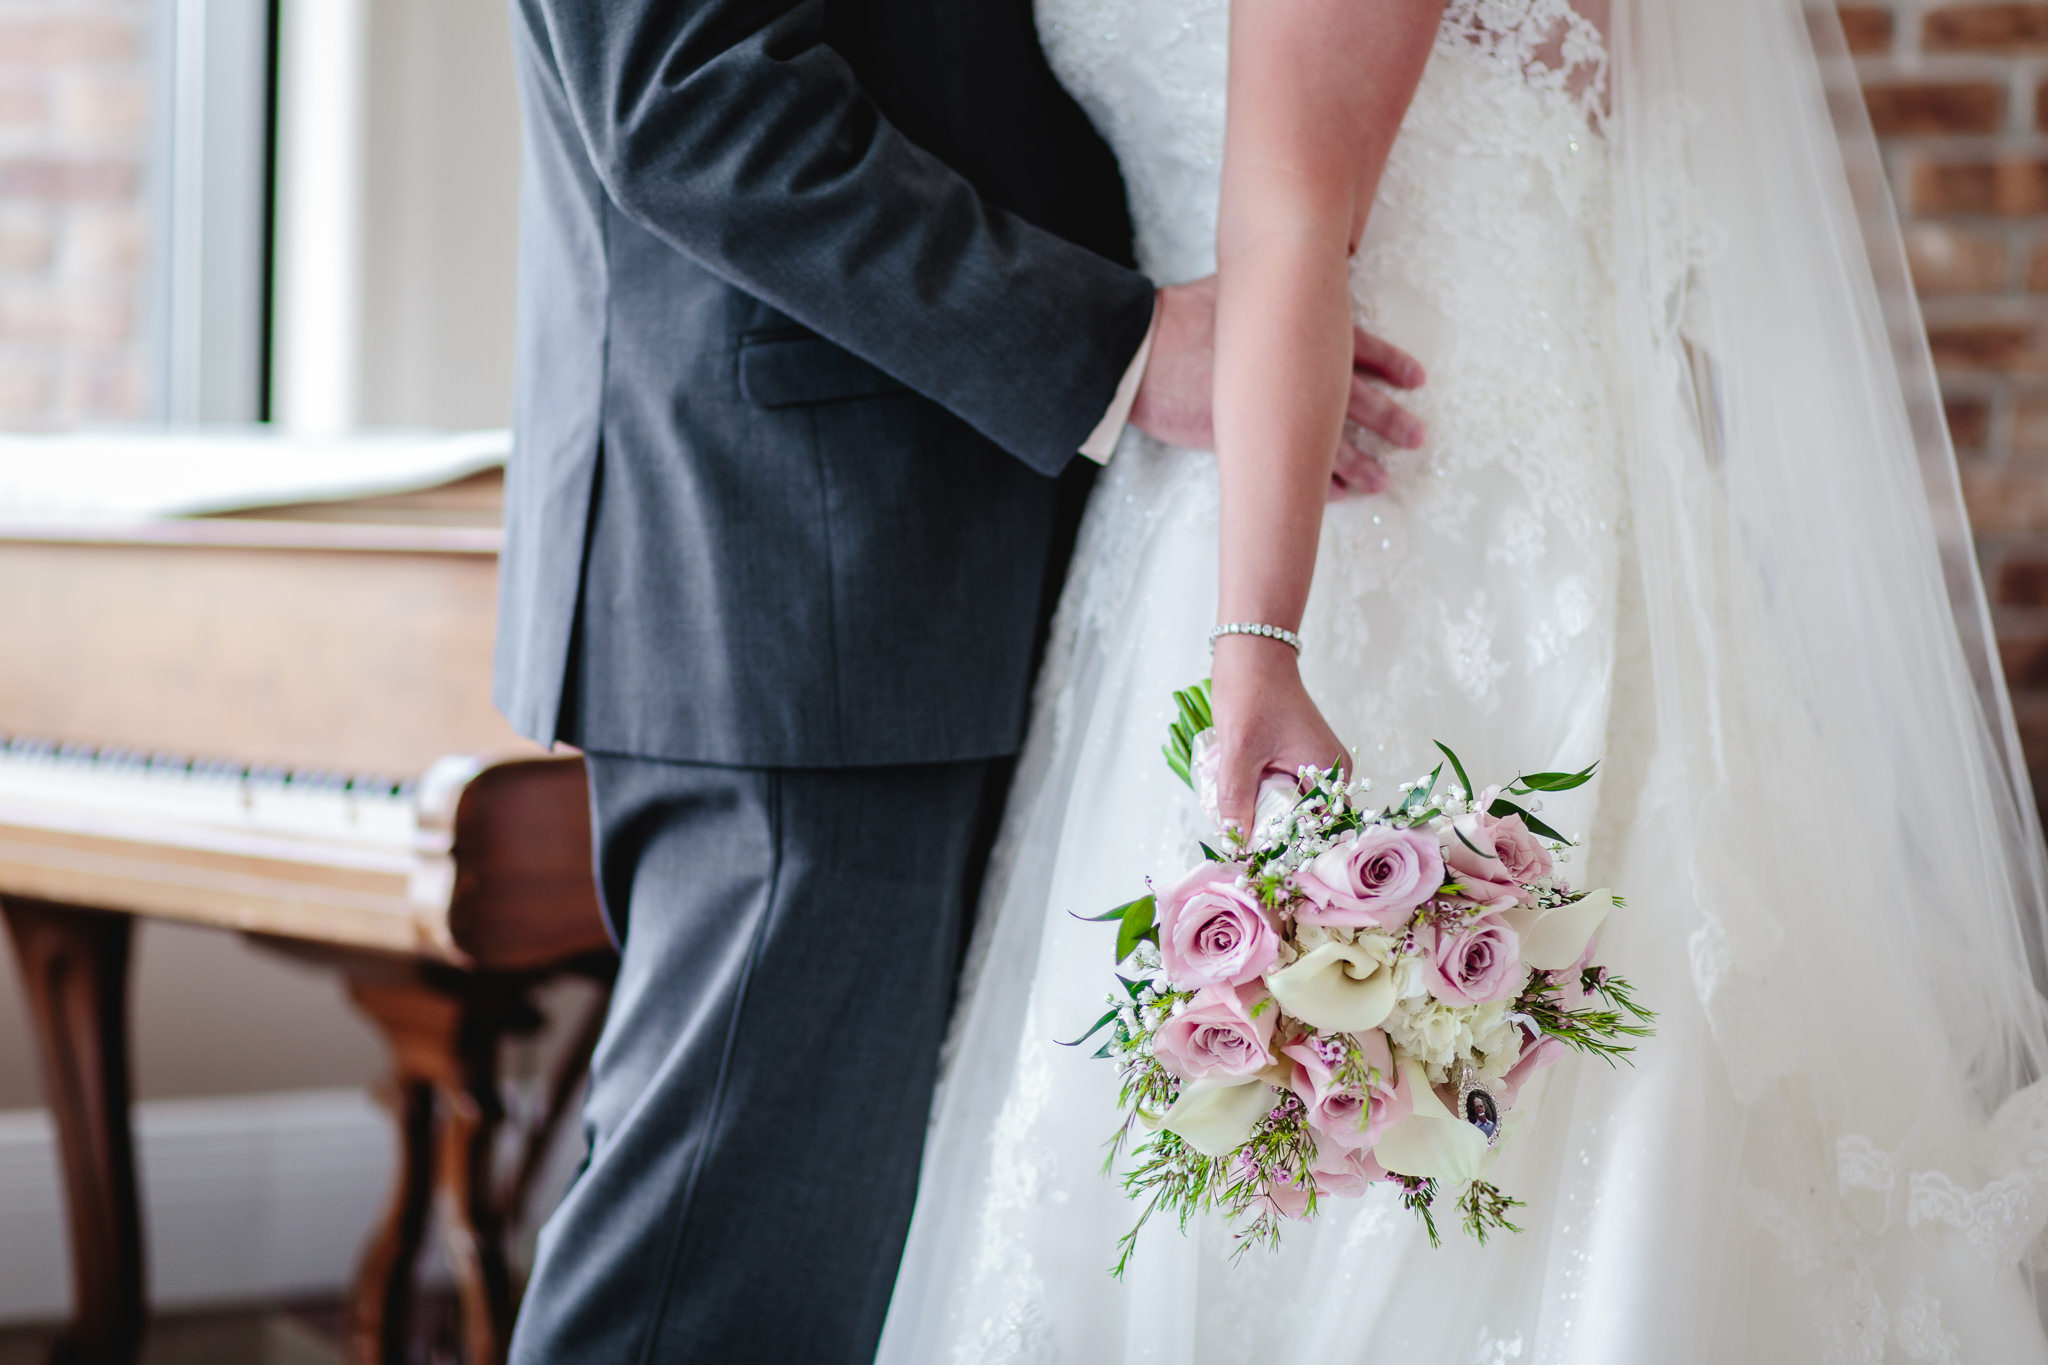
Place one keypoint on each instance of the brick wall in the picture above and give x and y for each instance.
(74, 129)
(1959, 95)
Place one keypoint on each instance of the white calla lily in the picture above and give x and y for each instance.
(1216, 1117)
(1432, 1143)
(1338, 987)
(1554, 939)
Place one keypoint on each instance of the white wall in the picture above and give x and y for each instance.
(212, 1016)
(397, 214)
(442, 195)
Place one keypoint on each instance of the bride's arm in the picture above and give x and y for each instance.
(1317, 92)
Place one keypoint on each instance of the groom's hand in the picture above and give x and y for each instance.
(1175, 394)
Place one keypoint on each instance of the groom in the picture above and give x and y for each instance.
(819, 301)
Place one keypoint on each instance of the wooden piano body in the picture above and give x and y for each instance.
(278, 723)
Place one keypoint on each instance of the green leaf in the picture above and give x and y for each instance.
(1192, 716)
(1502, 808)
(1137, 926)
(1212, 855)
(1556, 782)
(1457, 768)
(1116, 914)
(1099, 1025)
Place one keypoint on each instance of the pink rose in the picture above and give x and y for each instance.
(1472, 855)
(1571, 993)
(1213, 932)
(1518, 850)
(1350, 1117)
(1220, 1032)
(1343, 1174)
(1339, 1173)
(1473, 963)
(1376, 876)
(1538, 1055)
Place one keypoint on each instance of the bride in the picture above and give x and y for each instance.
(1685, 506)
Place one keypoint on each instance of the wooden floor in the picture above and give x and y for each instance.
(272, 1334)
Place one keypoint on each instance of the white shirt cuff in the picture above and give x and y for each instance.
(1101, 442)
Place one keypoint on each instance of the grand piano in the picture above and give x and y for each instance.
(276, 722)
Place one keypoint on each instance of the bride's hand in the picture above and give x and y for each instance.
(1265, 723)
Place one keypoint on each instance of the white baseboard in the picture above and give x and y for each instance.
(245, 1197)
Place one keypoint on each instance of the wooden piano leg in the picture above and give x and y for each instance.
(75, 964)
(444, 1029)
(470, 1119)
(381, 1321)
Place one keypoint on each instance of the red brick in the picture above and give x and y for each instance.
(2021, 580)
(1969, 420)
(24, 394)
(1985, 28)
(2023, 647)
(40, 313)
(1935, 107)
(2030, 424)
(23, 107)
(102, 387)
(1948, 260)
(68, 179)
(1867, 27)
(2012, 187)
(25, 243)
(51, 41)
(2037, 266)
(2030, 709)
(95, 105)
(1983, 344)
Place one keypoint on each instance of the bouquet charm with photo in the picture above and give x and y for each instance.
(1351, 993)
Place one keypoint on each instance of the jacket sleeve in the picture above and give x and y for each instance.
(732, 130)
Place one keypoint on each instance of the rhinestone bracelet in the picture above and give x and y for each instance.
(1284, 636)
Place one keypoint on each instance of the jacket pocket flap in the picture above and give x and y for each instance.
(784, 371)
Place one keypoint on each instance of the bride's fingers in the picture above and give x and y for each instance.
(1388, 361)
(1357, 471)
(1372, 409)
(1237, 779)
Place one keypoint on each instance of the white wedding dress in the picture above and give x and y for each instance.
(1489, 599)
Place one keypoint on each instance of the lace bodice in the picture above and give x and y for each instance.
(1483, 257)
(1150, 73)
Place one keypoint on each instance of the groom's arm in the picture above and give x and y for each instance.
(730, 129)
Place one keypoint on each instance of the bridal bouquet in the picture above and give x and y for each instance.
(1351, 993)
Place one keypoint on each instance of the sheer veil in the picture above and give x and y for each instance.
(1812, 794)
(1827, 697)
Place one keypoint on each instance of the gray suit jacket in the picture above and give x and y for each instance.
(817, 299)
